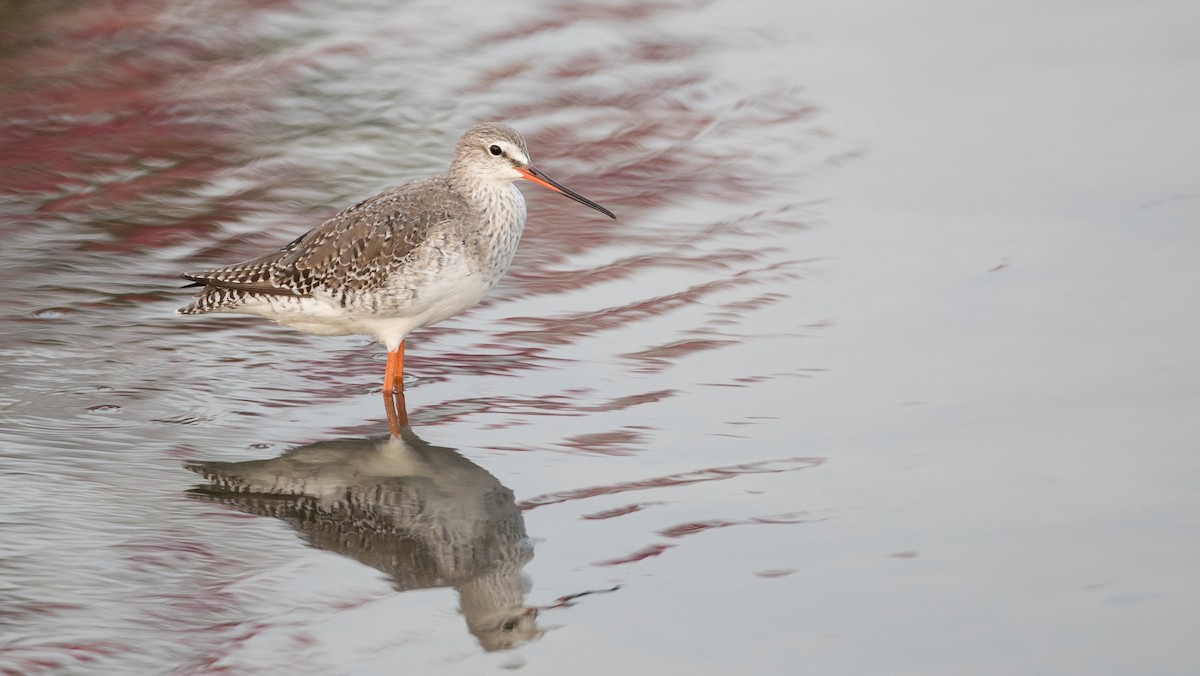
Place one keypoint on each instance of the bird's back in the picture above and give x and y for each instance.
(353, 252)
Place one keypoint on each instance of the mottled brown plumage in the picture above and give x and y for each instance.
(356, 250)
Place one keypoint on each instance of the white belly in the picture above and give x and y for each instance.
(455, 289)
(453, 292)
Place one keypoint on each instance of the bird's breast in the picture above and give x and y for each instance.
(502, 222)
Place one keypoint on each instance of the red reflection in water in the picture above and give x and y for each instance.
(694, 527)
(654, 145)
(656, 358)
(99, 122)
(639, 555)
(620, 511)
(566, 328)
(613, 442)
(244, 633)
(56, 656)
(47, 608)
(568, 279)
(565, 14)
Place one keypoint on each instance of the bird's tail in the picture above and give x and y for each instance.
(212, 299)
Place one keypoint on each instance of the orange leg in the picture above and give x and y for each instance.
(397, 411)
(393, 377)
(393, 391)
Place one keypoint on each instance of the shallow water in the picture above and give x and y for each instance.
(888, 366)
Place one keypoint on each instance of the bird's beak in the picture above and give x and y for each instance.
(541, 179)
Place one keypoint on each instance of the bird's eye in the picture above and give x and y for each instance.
(495, 150)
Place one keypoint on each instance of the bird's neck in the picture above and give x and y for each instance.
(500, 201)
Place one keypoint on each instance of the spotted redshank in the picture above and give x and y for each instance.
(408, 257)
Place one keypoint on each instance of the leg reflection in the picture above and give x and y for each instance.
(397, 410)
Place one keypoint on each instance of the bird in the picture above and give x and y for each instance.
(408, 257)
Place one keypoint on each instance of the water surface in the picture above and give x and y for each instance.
(888, 366)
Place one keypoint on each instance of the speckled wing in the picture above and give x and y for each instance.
(356, 250)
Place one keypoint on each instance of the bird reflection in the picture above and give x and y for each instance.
(423, 514)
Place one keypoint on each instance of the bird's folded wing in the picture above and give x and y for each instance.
(354, 250)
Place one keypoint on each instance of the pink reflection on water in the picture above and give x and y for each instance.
(112, 106)
(693, 527)
(565, 328)
(622, 441)
(619, 511)
(565, 14)
(642, 554)
(653, 148)
(656, 358)
(31, 659)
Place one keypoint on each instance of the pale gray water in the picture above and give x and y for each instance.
(889, 366)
